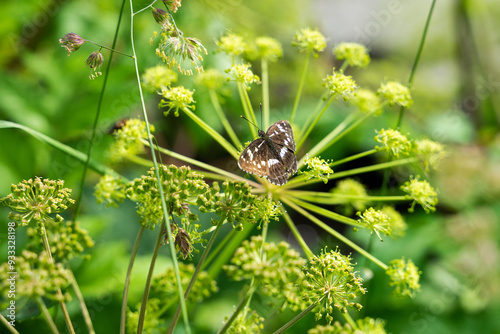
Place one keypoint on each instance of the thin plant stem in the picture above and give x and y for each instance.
(314, 122)
(296, 234)
(64, 309)
(222, 116)
(237, 311)
(417, 59)
(196, 273)
(332, 198)
(126, 286)
(301, 87)
(312, 115)
(265, 92)
(334, 233)
(354, 157)
(351, 322)
(46, 315)
(7, 324)
(296, 182)
(81, 301)
(214, 134)
(97, 115)
(201, 164)
(297, 318)
(247, 108)
(220, 246)
(334, 136)
(166, 222)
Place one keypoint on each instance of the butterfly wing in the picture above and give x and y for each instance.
(281, 133)
(254, 157)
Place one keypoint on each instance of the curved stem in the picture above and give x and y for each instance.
(265, 92)
(297, 318)
(335, 233)
(223, 118)
(81, 301)
(237, 311)
(314, 122)
(7, 324)
(297, 234)
(133, 254)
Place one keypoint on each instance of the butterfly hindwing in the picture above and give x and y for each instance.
(272, 155)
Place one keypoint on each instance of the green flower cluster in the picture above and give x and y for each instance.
(353, 54)
(164, 285)
(157, 78)
(310, 41)
(317, 169)
(154, 310)
(37, 199)
(422, 193)
(243, 74)
(237, 204)
(331, 282)
(181, 187)
(37, 276)
(128, 140)
(394, 142)
(264, 48)
(404, 277)
(176, 98)
(429, 153)
(66, 240)
(363, 326)
(341, 84)
(376, 221)
(366, 101)
(275, 269)
(247, 322)
(347, 192)
(396, 93)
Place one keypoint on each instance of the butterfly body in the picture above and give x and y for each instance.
(272, 155)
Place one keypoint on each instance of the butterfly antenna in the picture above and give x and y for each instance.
(246, 119)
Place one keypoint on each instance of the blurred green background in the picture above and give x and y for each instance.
(456, 102)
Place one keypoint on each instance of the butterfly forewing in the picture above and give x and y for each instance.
(272, 155)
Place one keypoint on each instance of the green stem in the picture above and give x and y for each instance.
(354, 157)
(64, 309)
(417, 59)
(222, 116)
(334, 136)
(265, 92)
(200, 164)
(247, 108)
(112, 49)
(296, 182)
(297, 234)
(314, 122)
(297, 318)
(301, 87)
(326, 213)
(195, 274)
(215, 135)
(332, 198)
(123, 318)
(351, 322)
(7, 324)
(46, 315)
(166, 222)
(237, 311)
(334, 233)
(312, 115)
(97, 115)
(81, 301)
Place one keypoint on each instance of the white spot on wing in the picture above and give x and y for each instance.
(283, 152)
(272, 162)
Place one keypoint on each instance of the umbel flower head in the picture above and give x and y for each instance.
(366, 101)
(211, 79)
(128, 144)
(37, 199)
(264, 48)
(275, 269)
(176, 98)
(247, 322)
(318, 169)
(332, 283)
(394, 142)
(37, 276)
(310, 41)
(157, 78)
(422, 193)
(243, 74)
(363, 326)
(396, 93)
(430, 153)
(348, 192)
(353, 54)
(404, 277)
(71, 42)
(231, 44)
(341, 84)
(376, 221)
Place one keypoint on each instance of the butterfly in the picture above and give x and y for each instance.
(272, 155)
